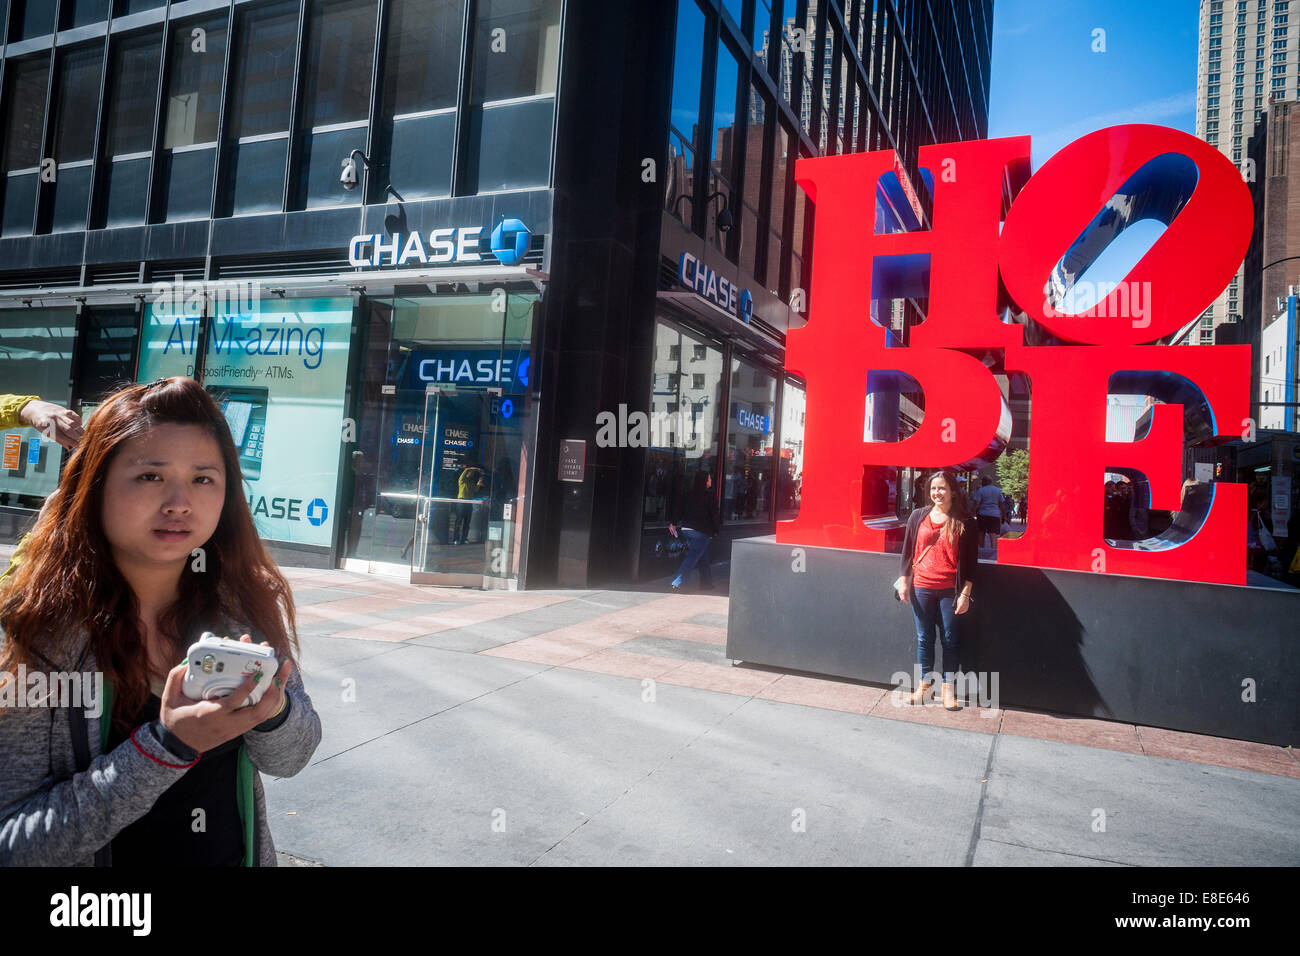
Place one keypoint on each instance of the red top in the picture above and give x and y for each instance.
(938, 568)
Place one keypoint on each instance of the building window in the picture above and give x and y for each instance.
(193, 107)
(24, 108)
(722, 162)
(36, 347)
(752, 232)
(257, 120)
(512, 98)
(781, 170)
(417, 123)
(33, 18)
(340, 53)
(76, 99)
(759, 35)
(129, 116)
(78, 13)
(747, 479)
(684, 121)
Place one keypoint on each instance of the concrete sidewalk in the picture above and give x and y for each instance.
(607, 727)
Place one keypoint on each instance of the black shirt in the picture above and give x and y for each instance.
(165, 836)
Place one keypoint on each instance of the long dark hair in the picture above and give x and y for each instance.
(958, 514)
(68, 582)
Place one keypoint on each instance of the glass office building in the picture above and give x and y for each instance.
(416, 248)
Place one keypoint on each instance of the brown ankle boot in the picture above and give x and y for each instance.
(919, 695)
(950, 697)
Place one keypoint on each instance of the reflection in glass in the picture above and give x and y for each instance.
(724, 126)
(515, 160)
(438, 479)
(417, 112)
(76, 98)
(24, 106)
(751, 229)
(193, 107)
(35, 359)
(684, 123)
(516, 48)
(789, 468)
(35, 18)
(336, 92)
(128, 191)
(129, 116)
(257, 118)
(684, 430)
(256, 176)
(747, 486)
(78, 13)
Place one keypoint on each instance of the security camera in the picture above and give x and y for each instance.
(349, 175)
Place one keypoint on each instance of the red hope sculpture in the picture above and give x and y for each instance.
(1183, 272)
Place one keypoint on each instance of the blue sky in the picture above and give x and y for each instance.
(1047, 81)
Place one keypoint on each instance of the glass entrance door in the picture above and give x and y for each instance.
(463, 532)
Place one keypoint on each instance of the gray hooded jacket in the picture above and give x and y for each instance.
(52, 815)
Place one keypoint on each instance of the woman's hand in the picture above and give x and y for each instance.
(963, 603)
(901, 587)
(206, 724)
(55, 422)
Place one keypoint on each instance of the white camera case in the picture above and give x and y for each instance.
(216, 666)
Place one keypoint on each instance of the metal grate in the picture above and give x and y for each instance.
(190, 270)
(115, 275)
(40, 280)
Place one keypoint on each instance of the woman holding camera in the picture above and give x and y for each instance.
(147, 542)
(939, 560)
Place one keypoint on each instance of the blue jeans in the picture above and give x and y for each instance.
(697, 553)
(930, 608)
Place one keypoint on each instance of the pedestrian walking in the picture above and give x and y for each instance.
(147, 542)
(696, 515)
(939, 562)
(987, 505)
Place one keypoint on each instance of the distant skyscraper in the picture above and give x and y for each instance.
(1246, 54)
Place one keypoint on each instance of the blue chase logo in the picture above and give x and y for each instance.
(510, 241)
(317, 512)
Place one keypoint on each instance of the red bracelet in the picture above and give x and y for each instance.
(174, 766)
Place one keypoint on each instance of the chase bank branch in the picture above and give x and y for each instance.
(416, 248)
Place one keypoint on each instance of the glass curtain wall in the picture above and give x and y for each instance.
(515, 67)
(725, 131)
(129, 122)
(336, 97)
(258, 117)
(468, 515)
(684, 122)
(76, 101)
(789, 474)
(684, 430)
(24, 107)
(31, 18)
(416, 132)
(192, 105)
(751, 434)
(749, 219)
(35, 359)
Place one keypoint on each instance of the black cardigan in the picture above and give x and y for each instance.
(968, 549)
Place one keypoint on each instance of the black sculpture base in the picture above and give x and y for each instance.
(1204, 658)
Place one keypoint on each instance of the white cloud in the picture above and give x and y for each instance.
(1152, 111)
